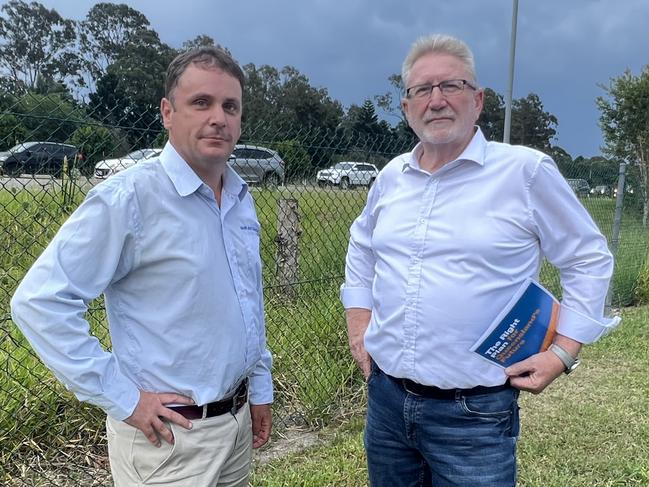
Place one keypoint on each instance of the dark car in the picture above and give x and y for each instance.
(257, 164)
(37, 158)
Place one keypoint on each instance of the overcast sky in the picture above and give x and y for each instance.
(565, 48)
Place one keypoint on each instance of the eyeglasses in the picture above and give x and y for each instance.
(449, 87)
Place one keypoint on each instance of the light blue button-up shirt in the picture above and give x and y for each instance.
(182, 284)
(436, 257)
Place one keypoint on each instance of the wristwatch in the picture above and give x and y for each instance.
(570, 363)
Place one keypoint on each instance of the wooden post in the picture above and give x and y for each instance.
(288, 239)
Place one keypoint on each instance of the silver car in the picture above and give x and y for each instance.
(257, 164)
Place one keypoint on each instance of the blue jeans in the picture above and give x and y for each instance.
(469, 441)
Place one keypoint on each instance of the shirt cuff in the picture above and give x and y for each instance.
(582, 328)
(356, 297)
(261, 389)
(126, 398)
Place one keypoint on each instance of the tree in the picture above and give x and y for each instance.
(36, 42)
(625, 125)
(296, 158)
(95, 143)
(12, 132)
(564, 162)
(492, 118)
(128, 95)
(531, 124)
(390, 101)
(49, 117)
(282, 104)
(105, 34)
(202, 40)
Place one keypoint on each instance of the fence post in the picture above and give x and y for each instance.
(288, 238)
(617, 221)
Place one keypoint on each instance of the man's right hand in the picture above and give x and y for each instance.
(151, 410)
(358, 319)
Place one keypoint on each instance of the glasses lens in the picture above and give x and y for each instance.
(451, 87)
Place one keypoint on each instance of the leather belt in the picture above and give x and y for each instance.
(230, 404)
(433, 392)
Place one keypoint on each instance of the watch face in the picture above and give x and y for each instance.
(573, 366)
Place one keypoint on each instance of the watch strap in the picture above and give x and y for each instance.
(569, 362)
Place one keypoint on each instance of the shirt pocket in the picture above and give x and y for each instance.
(247, 249)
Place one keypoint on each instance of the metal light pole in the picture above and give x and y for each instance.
(508, 95)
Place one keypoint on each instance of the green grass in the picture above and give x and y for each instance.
(590, 429)
(315, 378)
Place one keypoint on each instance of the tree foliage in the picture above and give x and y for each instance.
(12, 132)
(286, 103)
(128, 95)
(37, 42)
(531, 124)
(51, 117)
(492, 118)
(390, 101)
(105, 34)
(625, 125)
(95, 143)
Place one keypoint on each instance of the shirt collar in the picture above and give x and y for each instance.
(186, 181)
(474, 152)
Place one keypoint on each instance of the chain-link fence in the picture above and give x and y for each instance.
(308, 186)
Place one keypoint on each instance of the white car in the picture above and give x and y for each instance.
(348, 174)
(108, 167)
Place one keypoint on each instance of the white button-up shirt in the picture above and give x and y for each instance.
(182, 284)
(436, 257)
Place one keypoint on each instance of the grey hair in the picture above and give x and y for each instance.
(439, 44)
(206, 57)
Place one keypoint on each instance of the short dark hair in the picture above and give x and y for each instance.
(206, 57)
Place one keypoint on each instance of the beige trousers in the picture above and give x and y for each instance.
(217, 451)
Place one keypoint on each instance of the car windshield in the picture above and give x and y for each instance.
(21, 147)
(345, 166)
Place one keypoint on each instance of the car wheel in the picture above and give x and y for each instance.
(12, 170)
(271, 180)
(344, 183)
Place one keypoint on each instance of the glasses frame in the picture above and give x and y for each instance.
(462, 82)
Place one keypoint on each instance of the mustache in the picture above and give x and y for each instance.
(434, 115)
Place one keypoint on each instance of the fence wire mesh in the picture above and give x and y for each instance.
(308, 186)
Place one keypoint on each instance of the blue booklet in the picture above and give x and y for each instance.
(525, 326)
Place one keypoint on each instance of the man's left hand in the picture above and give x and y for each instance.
(262, 423)
(535, 373)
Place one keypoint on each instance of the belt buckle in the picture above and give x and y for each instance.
(204, 412)
(233, 408)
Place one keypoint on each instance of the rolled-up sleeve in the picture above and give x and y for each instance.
(356, 291)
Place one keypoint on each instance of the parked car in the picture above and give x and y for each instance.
(37, 158)
(108, 167)
(579, 186)
(348, 174)
(257, 164)
(601, 190)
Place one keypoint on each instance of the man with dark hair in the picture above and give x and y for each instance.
(173, 244)
(449, 233)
